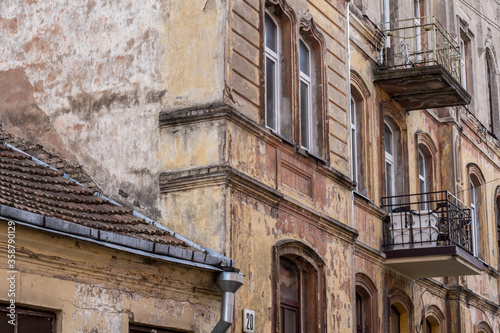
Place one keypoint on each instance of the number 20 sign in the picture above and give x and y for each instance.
(248, 321)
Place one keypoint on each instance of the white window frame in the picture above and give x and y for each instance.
(275, 58)
(418, 30)
(306, 79)
(354, 143)
(463, 68)
(389, 158)
(422, 178)
(475, 219)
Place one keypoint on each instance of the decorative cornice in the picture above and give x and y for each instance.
(369, 206)
(224, 175)
(367, 29)
(368, 253)
(215, 112)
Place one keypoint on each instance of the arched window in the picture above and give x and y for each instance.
(393, 160)
(401, 312)
(476, 180)
(366, 304)
(424, 178)
(360, 119)
(300, 288)
(434, 320)
(484, 327)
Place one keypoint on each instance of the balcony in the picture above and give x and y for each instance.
(429, 235)
(421, 66)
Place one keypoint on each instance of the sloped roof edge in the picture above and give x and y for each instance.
(183, 251)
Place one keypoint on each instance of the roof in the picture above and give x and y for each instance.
(39, 196)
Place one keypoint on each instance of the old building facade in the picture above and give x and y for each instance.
(344, 154)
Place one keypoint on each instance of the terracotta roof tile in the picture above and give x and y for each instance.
(30, 186)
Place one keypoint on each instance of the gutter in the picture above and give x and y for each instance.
(228, 283)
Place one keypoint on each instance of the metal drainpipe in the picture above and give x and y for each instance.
(228, 283)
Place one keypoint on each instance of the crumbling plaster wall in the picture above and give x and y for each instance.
(87, 80)
(95, 289)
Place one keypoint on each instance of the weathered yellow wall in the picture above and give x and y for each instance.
(93, 288)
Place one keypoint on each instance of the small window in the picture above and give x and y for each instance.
(27, 321)
(273, 53)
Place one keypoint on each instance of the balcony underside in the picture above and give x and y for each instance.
(421, 87)
(436, 261)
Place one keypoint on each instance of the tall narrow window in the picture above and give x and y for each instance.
(418, 12)
(474, 203)
(272, 52)
(463, 70)
(389, 162)
(490, 95)
(498, 226)
(289, 297)
(305, 96)
(359, 313)
(354, 143)
(424, 179)
(395, 320)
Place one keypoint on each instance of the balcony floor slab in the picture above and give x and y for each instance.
(421, 87)
(437, 261)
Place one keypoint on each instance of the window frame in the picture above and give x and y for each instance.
(275, 57)
(306, 79)
(367, 291)
(21, 310)
(389, 159)
(354, 142)
(399, 301)
(312, 285)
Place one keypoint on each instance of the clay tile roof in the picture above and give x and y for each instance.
(59, 203)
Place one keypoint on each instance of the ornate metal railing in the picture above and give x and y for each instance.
(421, 41)
(427, 220)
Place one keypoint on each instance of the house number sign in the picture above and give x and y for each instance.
(248, 321)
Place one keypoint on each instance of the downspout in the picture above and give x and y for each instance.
(353, 246)
(228, 283)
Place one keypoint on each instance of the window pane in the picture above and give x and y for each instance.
(4, 325)
(30, 324)
(304, 58)
(290, 321)
(271, 34)
(388, 139)
(421, 165)
(270, 94)
(353, 112)
(353, 155)
(304, 114)
(388, 175)
(289, 281)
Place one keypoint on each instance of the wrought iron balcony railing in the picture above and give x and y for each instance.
(427, 220)
(420, 41)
